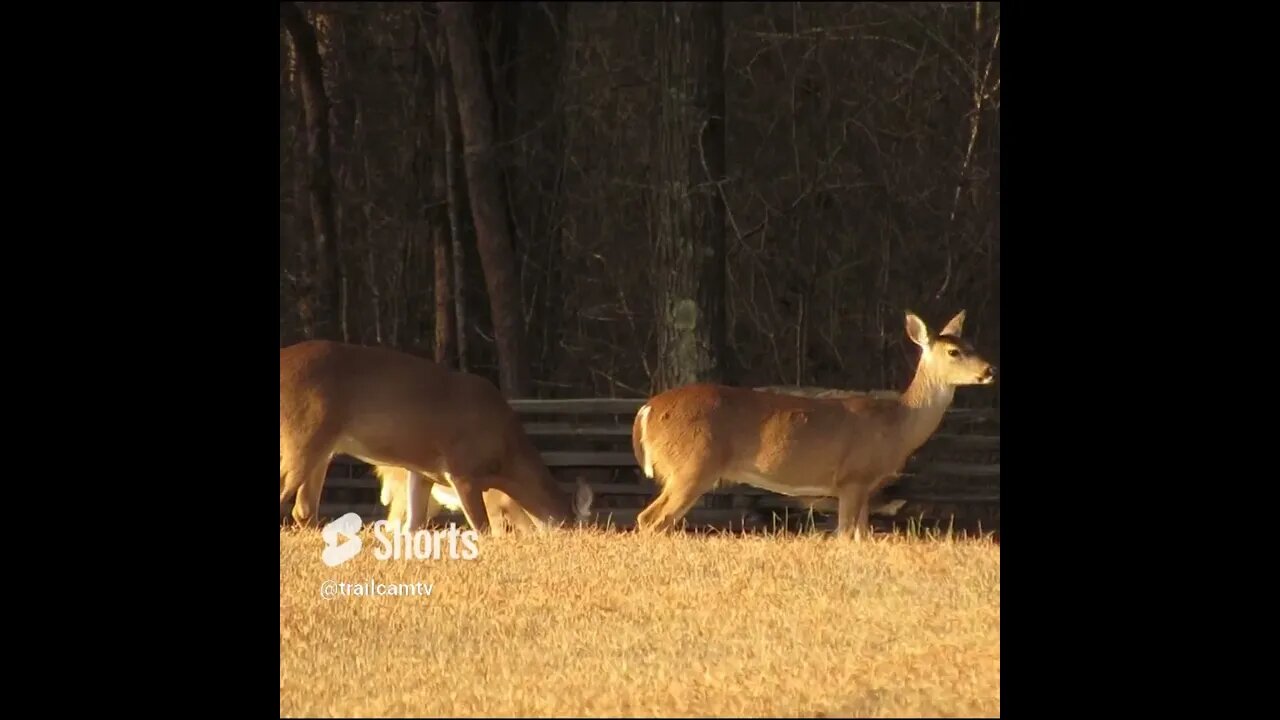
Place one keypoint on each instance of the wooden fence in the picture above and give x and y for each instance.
(954, 478)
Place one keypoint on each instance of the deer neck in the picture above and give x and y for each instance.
(534, 473)
(560, 500)
(926, 401)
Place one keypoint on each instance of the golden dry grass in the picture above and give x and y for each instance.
(591, 623)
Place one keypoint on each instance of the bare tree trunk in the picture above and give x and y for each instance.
(488, 204)
(690, 253)
(455, 232)
(315, 103)
(306, 298)
(445, 353)
(447, 128)
(437, 217)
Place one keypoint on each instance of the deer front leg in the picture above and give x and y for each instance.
(854, 512)
(506, 514)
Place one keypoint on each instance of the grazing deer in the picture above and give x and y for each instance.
(389, 408)
(690, 438)
(407, 499)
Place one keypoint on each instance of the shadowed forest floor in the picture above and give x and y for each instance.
(593, 623)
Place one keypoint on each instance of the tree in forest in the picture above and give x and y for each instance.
(488, 203)
(450, 312)
(861, 167)
(689, 167)
(328, 271)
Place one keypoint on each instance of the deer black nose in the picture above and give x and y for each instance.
(991, 371)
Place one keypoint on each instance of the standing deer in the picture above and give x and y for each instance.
(689, 438)
(393, 409)
(407, 498)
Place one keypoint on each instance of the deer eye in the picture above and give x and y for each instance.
(953, 352)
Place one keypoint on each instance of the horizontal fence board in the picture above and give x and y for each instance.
(562, 429)
(976, 498)
(828, 505)
(616, 406)
(351, 483)
(367, 511)
(603, 430)
(588, 458)
(971, 442)
(906, 488)
(610, 406)
(937, 467)
(917, 469)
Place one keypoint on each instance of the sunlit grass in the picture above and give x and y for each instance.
(595, 623)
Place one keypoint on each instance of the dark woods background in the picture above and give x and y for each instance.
(599, 199)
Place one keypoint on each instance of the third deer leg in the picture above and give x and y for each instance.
(504, 511)
(854, 512)
(430, 505)
(497, 513)
(396, 511)
(424, 507)
(471, 496)
(304, 474)
(648, 516)
(522, 500)
(421, 505)
(864, 518)
(677, 497)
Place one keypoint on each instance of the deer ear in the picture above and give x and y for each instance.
(917, 331)
(954, 327)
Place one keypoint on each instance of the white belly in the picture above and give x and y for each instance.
(808, 489)
(354, 448)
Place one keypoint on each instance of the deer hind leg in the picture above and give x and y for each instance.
(679, 492)
(649, 515)
(398, 499)
(397, 505)
(304, 462)
(471, 497)
(864, 518)
(427, 506)
(420, 504)
(302, 471)
(854, 511)
(405, 504)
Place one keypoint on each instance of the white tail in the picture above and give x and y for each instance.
(393, 409)
(691, 438)
(410, 506)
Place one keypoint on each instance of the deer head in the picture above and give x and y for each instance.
(946, 358)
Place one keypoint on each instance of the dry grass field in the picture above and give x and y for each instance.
(594, 623)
